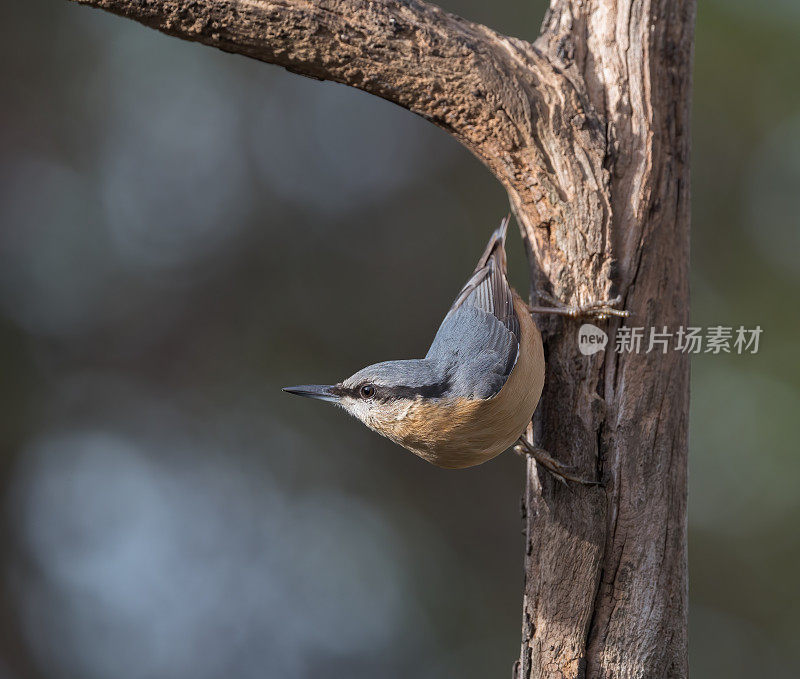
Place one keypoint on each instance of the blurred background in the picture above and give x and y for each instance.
(183, 232)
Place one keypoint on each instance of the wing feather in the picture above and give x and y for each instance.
(482, 322)
(488, 288)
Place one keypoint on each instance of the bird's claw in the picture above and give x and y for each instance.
(560, 472)
(598, 310)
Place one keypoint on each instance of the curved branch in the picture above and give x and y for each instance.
(448, 70)
(497, 95)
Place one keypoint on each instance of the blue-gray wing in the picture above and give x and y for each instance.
(479, 337)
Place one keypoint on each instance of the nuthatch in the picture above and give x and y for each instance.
(474, 393)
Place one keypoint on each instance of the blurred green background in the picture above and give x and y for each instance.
(186, 231)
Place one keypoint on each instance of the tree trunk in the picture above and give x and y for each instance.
(588, 130)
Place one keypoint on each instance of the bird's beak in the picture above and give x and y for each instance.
(323, 392)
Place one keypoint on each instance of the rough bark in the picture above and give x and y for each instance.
(588, 130)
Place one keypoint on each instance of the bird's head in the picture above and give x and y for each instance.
(384, 395)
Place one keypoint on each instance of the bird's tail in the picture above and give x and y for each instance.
(488, 289)
(496, 247)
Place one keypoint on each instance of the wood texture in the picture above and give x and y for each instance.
(588, 130)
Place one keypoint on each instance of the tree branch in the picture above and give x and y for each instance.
(495, 94)
(461, 76)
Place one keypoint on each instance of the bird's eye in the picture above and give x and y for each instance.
(367, 391)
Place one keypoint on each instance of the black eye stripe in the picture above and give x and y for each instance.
(385, 393)
(436, 390)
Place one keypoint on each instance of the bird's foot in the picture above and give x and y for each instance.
(560, 472)
(598, 310)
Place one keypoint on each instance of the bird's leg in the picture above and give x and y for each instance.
(558, 470)
(599, 310)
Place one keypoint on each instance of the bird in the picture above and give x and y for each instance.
(474, 393)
